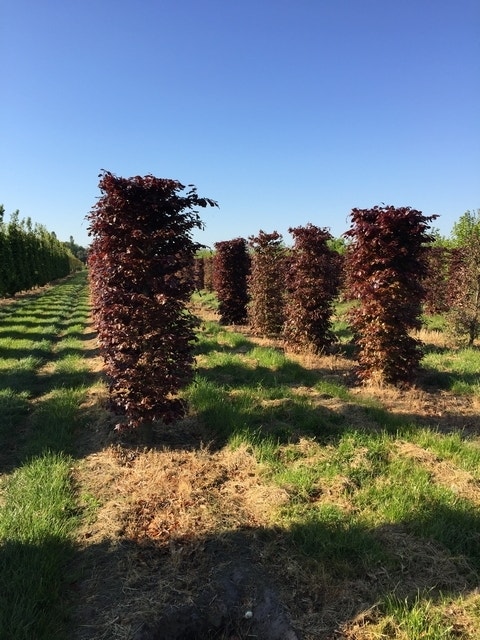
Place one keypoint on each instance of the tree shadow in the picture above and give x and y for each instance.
(52, 425)
(313, 579)
(32, 581)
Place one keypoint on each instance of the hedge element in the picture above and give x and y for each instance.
(266, 283)
(436, 282)
(208, 272)
(231, 267)
(142, 248)
(464, 314)
(386, 265)
(30, 256)
(313, 279)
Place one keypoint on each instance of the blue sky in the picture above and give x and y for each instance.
(284, 111)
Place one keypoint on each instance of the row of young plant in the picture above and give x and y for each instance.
(448, 278)
(31, 256)
(141, 261)
(389, 267)
(290, 293)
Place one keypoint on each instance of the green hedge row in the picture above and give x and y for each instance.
(30, 256)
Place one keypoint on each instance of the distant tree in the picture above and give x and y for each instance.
(81, 253)
(6, 260)
(266, 283)
(464, 314)
(386, 266)
(312, 282)
(339, 245)
(231, 267)
(30, 256)
(18, 246)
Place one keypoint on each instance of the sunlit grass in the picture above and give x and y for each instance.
(460, 369)
(464, 453)
(40, 411)
(347, 488)
(206, 299)
(36, 524)
(415, 618)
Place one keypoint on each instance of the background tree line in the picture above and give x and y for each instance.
(31, 256)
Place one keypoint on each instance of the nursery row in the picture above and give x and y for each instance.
(30, 256)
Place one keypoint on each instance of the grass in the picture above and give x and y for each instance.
(40, 402)
(347, 487)
(416, 619)
(35, 528)
(360, 504)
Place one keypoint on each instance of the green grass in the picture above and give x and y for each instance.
(356, 509)
(41, 408)
(452, 447)
(416, 619)
(436, 322)
(457, 369)
(356, 514)
(206, 299)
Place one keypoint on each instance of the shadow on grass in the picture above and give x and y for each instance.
(313, 578)
(52, 425)
(277, 417)
(279, 408)
(431, 378)
(33, 602)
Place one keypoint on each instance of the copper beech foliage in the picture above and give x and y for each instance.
(266, 283)
(386, 265)
(464, 292)
(231, 269)
(437, 280)
(312, 283)
(141, 250)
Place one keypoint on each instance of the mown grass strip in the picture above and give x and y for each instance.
(38, 512)
(35, 528)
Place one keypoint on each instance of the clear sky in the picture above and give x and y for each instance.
(284, 111)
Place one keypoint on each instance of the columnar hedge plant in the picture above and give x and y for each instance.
(199, 273)
(208, 271)
(231, 267)
(142, 248)
(436, 283)
(386, 265)
(266, 283)
(312, 282)
(464, 313)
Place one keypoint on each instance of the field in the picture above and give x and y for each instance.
(290, 503)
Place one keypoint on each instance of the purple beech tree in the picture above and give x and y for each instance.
(142, 250)
(312, 283)
(387, 262)
(266, 283)
(231, 269)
